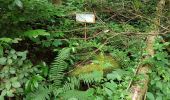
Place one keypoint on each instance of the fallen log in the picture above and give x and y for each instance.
(139, 88)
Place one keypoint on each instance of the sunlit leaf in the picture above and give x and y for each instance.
(3, 60)
(7, 40)
(150, 96)
(36, 33)
(18, 3)
(16, 84)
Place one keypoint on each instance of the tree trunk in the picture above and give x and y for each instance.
(139, 88)
(56, 2)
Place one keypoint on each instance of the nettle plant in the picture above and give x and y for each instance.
(16, 70)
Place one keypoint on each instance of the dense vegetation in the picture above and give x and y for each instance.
(44, 56)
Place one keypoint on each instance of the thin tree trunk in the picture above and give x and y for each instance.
(139, 88)
(56, 2)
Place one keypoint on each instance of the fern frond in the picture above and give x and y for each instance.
(56, 73)
(78, 95)
(73, 83)
(42, 93)
(89, 78)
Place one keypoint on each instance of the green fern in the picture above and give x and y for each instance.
(42, 93)
(89, 78)
(78, 95)
(56, 73)
(72, 84)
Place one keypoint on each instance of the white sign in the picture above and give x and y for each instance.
(86, 18)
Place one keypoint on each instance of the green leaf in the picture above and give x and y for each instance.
(99, 98)
(90, 92)
(3, 93)
(58, 34)
(46, 44)
(36, 33)
(16, 84)
(112, 86)
(161, 55)
(27, 85)
(115, 75)
(14, 56)
(3, 60)
(18, 3)
(7, 40)
(12, 70)
(167, 43)
(159, 85)
(38, 78)
(35, 83)
(16, 40)
(21, 54)
(159, 98)
(108, 91)
(20, 62)
(44, 70)
(150, 96)
(8, 85)
(57, 43)
(12, 51)
(13, 79)
(9, 93)
(9, 61)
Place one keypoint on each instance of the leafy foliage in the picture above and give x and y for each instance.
(15, 71)
(101, 67)
(159, 85)
(76, 95)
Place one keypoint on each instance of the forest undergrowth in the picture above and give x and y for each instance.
(45, 55)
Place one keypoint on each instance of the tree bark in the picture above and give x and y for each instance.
(139, 88)
(56, 2)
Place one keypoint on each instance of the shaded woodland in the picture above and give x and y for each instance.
(45, 54)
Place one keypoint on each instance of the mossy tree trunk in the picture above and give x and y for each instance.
(140, 87)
